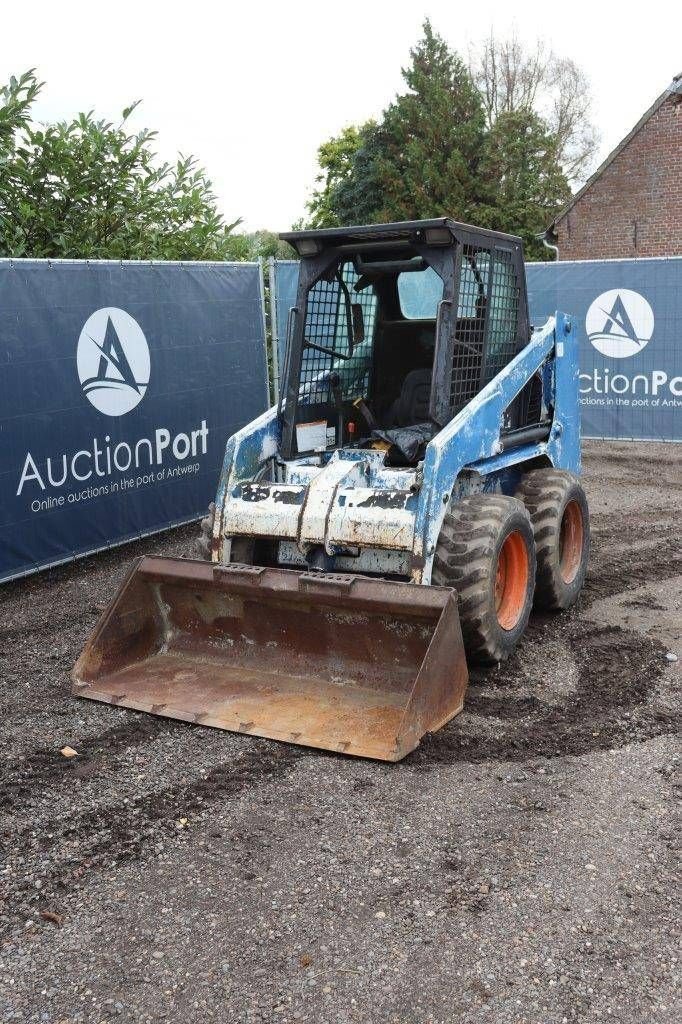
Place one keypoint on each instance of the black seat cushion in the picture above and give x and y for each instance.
(412, 405)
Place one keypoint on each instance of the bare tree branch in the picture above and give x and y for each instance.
(511, 77)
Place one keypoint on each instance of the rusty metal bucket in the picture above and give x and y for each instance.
(344, 663)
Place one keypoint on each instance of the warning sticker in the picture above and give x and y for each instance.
(311, 437)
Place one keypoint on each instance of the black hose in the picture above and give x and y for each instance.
(539, 432)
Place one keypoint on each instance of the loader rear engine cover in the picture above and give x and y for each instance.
(400, 510)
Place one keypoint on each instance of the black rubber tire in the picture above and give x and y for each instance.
(547, 494)
(467, 557)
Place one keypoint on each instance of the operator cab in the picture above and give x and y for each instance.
(396, 328)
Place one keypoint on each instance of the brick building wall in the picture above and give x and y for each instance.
(633, 205)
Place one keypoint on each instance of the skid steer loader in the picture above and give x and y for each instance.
(397, 513)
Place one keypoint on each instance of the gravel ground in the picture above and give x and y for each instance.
(518, 867)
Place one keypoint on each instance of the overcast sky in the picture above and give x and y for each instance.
(253, 87)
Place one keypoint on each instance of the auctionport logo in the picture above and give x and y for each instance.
(113, 361)
(619, 323)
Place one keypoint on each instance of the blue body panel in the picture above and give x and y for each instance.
(471, 441)
(466, 455)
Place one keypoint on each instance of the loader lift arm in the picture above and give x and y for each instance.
(473, 440)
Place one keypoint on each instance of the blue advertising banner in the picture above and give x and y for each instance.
(284, 296)
(119, 385)
(629, 319)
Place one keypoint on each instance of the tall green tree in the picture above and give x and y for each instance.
(431, 140)
(339, 168)
(480, 144)
(421, 160)
(89, 188)
(359, 194)
(525, 180)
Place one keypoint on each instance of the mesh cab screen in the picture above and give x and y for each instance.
(326, 327)
(487, 316)
(503, 308)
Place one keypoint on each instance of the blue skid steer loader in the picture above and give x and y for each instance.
(398, 513)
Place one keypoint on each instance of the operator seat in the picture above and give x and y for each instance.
(412, 404)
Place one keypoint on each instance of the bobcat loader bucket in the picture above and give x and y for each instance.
(344, 663)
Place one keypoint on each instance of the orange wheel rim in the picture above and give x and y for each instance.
(571, 537)
(511, 580)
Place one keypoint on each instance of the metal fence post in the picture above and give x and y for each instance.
(274, 331)
(261, 281)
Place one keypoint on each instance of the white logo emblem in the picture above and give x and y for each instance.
(113, 361)
(619, 323)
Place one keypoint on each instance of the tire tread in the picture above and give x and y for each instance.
(464, 559)
(545, 493)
